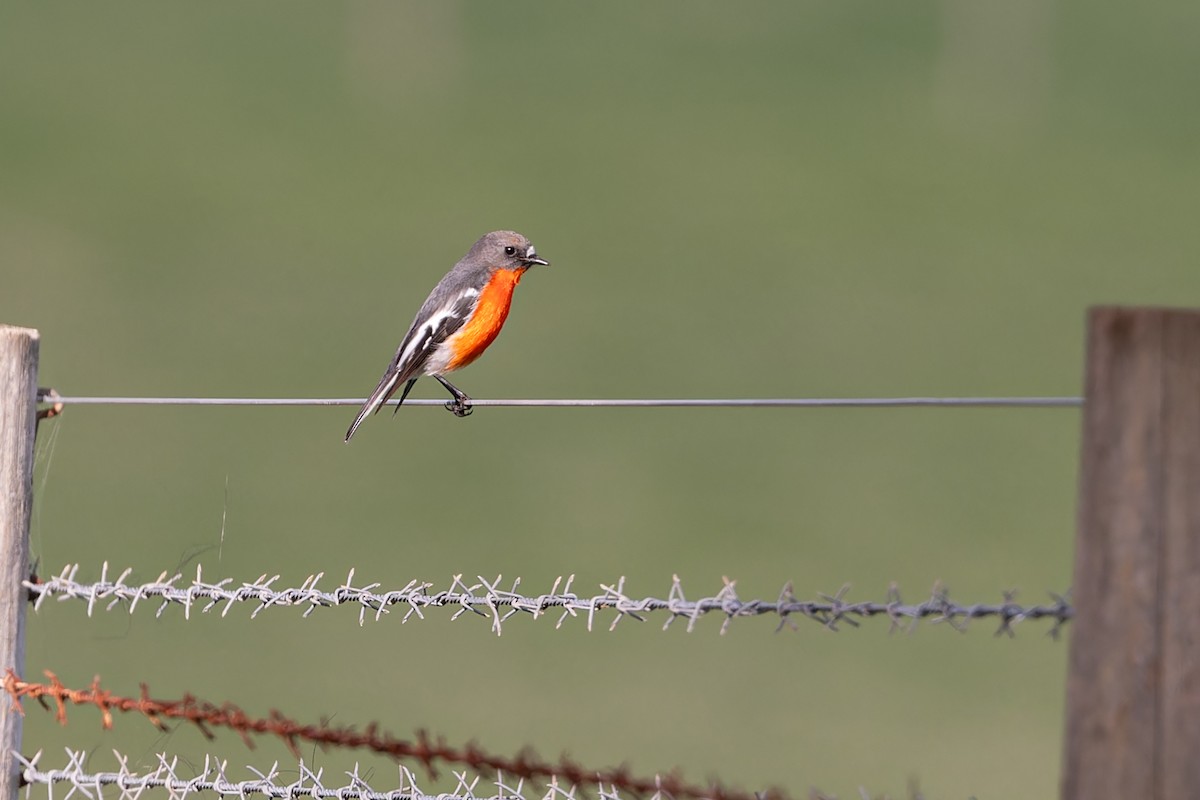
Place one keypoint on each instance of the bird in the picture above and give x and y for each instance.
(461, 317)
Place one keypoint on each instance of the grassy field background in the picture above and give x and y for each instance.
(754, 199)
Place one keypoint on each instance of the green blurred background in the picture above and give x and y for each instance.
(752, 199)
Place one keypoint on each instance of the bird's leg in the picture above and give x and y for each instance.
(460, 406)
(407, 388)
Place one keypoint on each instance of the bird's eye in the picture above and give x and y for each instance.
(510, 251)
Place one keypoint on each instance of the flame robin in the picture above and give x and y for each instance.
(461, 317)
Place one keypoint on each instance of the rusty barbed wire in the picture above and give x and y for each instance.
(424, 749)
(213, 776)
(486, 599)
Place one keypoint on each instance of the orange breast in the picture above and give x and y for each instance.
(490, 312)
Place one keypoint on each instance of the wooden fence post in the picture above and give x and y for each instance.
(1133, 686)
(18, 421)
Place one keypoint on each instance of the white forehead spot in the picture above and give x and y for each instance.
(530, 253)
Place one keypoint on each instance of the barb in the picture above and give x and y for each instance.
(749, 402)
(425, 750)
(486, 598)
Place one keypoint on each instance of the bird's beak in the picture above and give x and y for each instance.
(531, 257)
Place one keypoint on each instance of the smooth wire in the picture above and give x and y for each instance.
(762, 402)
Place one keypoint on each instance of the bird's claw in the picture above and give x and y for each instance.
(459, 408)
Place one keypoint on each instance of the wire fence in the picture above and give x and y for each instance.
(524, 776)
(486, 598)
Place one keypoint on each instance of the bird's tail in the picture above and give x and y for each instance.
(385, 389)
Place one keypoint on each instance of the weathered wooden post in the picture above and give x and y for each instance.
(1133, 686)
(18, 422)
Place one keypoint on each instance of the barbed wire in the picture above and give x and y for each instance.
(51, 396)
(486, 599)
(423, 749)
(213, 776)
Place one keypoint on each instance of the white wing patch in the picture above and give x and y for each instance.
(424, 345)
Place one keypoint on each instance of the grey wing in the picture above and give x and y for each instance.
(436, 322)
(435, 325)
